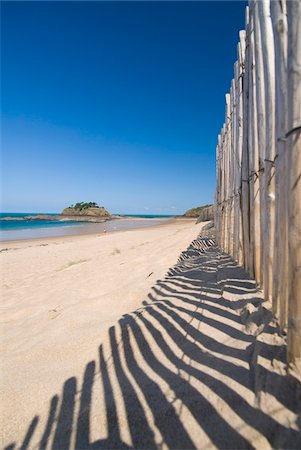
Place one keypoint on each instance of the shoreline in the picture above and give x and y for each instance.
(108, 227)
(69, 237)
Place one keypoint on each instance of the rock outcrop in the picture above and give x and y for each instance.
(206, 214)
(205, 211)
(88, 212)
(74, 214)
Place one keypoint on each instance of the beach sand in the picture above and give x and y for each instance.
(111, 341)
(60, 295)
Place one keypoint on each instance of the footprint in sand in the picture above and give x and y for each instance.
(72, 263)
(55, 312)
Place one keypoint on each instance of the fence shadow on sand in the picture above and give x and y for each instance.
(181, 372)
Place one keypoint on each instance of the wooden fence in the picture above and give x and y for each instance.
(258, 166)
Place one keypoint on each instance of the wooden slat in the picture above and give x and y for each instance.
(280, 269)
(241, 59)
(268, 52)
(245, 186)
(294, 170)
(261, 115)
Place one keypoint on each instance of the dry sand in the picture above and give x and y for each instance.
(58, 298)
(102, 348)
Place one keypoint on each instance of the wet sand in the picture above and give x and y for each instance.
(81, 229)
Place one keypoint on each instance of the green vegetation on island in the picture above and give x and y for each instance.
(85, 205)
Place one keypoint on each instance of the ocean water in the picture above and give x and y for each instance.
(26, 224)
(147, 216)
(30, 229)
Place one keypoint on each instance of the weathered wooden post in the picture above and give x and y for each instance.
(261, 113)
(268, 52)
(218, 191)
(231, 169)
(240, 74)
(245, 186)
(226, 155)
(236, 165)
(223, 189)
(254, 255)
(293, 136)
(280, 270)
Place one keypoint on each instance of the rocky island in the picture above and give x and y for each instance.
(86, 212)
(80, 212)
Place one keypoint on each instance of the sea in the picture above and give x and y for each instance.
(31, 229)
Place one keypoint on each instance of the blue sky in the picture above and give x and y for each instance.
(114, 102)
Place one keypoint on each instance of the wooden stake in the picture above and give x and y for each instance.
(293, 136)
(245, 185)
(280, 269)
(269, 172)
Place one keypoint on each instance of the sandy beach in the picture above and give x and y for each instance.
(59, 297)
(113, 341)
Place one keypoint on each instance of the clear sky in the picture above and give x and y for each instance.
(114, 102)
